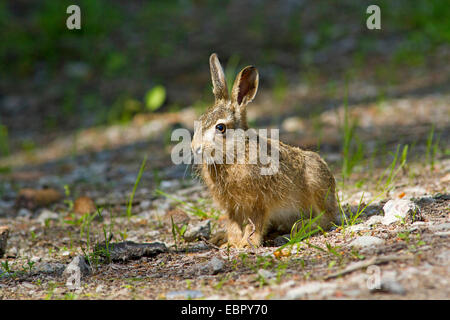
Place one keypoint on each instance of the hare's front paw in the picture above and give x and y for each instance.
(254, 241)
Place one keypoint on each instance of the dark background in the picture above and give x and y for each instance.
(57, 80)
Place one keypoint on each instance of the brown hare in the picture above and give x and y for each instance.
(301, 186)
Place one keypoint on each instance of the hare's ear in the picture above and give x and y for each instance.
(220, 89)
(245, 86)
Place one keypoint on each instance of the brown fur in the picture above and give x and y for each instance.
(302, 185)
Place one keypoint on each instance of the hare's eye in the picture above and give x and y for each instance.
(221, 128)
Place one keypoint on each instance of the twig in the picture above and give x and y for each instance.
(364, 264)
(209, 243)
(251, 233)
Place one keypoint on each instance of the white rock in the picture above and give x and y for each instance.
(396, 210)
(374, 220)
(366, 241)
(309, 289)
(357, 227)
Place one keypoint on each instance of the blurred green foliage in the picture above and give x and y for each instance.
(103, 72)
(155, 97)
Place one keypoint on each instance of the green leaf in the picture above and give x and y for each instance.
(183, 229)
(155, 98)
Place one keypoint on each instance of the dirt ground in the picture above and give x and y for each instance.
(410, 262)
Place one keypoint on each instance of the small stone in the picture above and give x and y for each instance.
(281, 240)
(309, 289)
(287, 284)
(372, 209)
(13, 252)
(419, 224)
(47, 215)
(4, 233)
(200, 230)
(366, 241)
(213, 267)
(216, 265)
(123, 292)
(440, 227)
(78, 291)
(35, 259)
(59, 290)
(353, 293)
(266, 274)
(50, 268)
(424, 201)
(357, 227)
(24, 213)
(99, 288)
(373, 220)
(198, 246)
(28, 285)
(293, 124)
(390, 286)
(443, 258)
(184, 294)
(128, 250)
(145, 204)
(78, 265)
(396, 210)
(152, 233)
